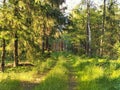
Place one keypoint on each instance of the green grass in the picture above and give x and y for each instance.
(13, 76)
(10, 85)
(97, 74)
(57, 79)
(43, 66)
(91, 73)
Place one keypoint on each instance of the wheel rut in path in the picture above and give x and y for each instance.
(72, 78)
(26, 85)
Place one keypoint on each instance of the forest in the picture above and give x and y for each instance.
(43, 47)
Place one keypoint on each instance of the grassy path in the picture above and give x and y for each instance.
(31, 85)
(75, 73)
(72, 80)
(37, 79)
(70, 72)
(72, 76)
(57, 78)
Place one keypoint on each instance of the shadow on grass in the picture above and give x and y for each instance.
(25, 85)
(17, 85)
(10, 85)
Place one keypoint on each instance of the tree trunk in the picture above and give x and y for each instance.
(103, 29)
(88, 31)
(43, 41)
(43, 45)
(16, 51)
(3, 49)
(47, 43)
(3, 56)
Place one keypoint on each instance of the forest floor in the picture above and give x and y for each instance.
(66, 72)
(37, 80)
(72, 83)
(26, 85)
(71, 79)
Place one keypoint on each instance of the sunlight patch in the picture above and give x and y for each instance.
(92, 73)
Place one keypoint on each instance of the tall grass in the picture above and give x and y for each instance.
(97, 74)
(43, 66)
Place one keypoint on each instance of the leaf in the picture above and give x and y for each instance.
(21, 4)
(37, 1)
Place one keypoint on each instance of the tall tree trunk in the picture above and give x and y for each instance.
(88, 31)
(3, 48)
(16, 50)
(16, 14)
(103, 29)
(3, 55)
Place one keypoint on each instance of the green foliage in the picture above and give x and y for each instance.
(117, 49)
(32, 20)
(37, 23)
(77, 28)
(44, 66)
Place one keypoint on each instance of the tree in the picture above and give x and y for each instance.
(16, 14)
(112, 31)
(88, 30)
(103, 28)
(3, 47)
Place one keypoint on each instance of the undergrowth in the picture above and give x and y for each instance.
(97, 74)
